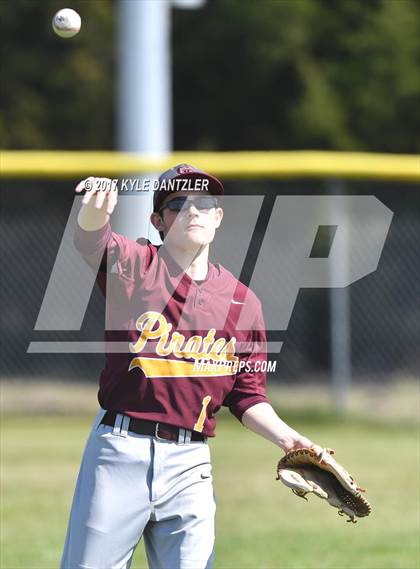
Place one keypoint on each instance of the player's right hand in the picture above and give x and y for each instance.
(101, 193)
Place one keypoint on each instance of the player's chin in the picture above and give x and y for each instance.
(197, 236)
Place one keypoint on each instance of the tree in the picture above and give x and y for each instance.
(272, 74)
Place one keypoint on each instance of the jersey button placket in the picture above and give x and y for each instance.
(195, 298)
(199, 298)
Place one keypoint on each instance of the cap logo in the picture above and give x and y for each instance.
(185, 170)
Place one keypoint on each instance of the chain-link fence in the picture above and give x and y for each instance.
(384, 307)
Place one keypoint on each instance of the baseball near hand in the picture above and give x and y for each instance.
(66, 23)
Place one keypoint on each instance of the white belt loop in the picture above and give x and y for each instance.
(124, 426)
(184, 437)
(98, 420)
(181, 436)
(117, 425)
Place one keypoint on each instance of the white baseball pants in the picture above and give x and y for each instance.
(131, 486)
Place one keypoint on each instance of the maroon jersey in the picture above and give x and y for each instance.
(191, 347)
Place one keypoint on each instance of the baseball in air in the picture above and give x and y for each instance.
(66, 23)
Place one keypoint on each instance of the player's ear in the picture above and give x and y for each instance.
(219, 216)
(157, 221)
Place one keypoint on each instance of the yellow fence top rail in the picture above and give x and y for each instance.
(255, 164)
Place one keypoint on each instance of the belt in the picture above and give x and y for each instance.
(158, 430)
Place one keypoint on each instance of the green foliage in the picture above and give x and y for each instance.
(339, 75)
(272, 74)
(56, 93)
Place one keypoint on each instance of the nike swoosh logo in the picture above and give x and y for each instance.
(237, 302)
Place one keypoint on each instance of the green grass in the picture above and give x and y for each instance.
(260, 523)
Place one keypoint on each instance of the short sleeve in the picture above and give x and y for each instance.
(250, 384)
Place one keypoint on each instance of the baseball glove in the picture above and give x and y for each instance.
(314, 470)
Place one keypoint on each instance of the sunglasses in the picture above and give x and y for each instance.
(201, 203)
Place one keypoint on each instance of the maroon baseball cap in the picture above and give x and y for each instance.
(184, 171)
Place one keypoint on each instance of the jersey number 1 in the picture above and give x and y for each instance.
(200, 421)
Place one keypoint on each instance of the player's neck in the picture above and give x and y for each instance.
(193, 262)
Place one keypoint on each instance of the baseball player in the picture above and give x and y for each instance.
(187, 326)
